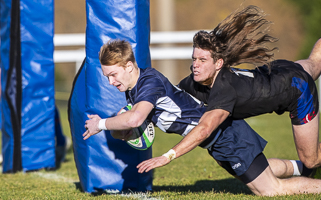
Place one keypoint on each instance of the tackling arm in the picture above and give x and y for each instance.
(207, 124)
(125, 121)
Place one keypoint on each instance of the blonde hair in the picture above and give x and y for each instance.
(116, 52)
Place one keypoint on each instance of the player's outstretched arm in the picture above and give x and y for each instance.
(208, 123)
(152, 163)
(125, 121)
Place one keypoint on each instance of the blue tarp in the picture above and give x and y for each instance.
(27, 85)
(104, 163)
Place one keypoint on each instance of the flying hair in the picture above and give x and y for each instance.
(239, 38)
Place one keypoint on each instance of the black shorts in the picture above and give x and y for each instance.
(258, 165)
(236, 149)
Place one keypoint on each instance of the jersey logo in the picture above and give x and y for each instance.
(236, 166)
(244, 73)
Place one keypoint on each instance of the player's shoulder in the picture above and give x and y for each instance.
(149, 77)
(147, 72)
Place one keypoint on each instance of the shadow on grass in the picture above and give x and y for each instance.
(98, 191)
(230, 185)
(78, 186)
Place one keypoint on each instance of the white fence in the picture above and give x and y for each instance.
(169, 51)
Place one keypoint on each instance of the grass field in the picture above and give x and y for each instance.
(193, 176)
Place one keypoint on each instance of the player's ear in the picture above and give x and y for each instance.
(219, 64)
(130, 66)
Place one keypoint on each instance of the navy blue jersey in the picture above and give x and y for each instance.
(175, 111)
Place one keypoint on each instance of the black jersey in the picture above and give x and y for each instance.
(197, 90)
(246, 93)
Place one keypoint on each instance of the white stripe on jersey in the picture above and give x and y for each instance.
(170, 113)
(243, 72)
(198, 101)
(189, 128)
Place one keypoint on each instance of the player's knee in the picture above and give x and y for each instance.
(311, 162)
(269, 187)
(278, 167)
(269, 191)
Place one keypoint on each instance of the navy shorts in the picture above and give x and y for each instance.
(236, 149)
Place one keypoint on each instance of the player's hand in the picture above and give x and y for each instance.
(91, 126)
(152, 163)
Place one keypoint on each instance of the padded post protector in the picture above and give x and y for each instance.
(27, 85)
(104, 163)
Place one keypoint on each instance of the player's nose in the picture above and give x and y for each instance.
(111, 80)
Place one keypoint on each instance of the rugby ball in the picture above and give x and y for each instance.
(143, 136)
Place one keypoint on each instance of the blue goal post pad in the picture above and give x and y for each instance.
(27, 85)
(104, 163)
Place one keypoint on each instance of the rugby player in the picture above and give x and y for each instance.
(279, 86)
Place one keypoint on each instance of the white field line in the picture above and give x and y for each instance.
(53, 176)
(139, 195)
(50, 175)
(57, 177)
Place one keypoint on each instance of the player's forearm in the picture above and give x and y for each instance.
(130, 119)
(207, 124)
(124, 121)
(188, 143)
(192, 140)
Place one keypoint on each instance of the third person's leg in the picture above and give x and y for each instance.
(306, 138)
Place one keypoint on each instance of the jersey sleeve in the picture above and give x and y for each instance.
(195, 89)
(222, 96)
(150, 88)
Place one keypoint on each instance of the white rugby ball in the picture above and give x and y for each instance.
(143, 136)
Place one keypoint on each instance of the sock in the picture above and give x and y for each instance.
(300, 169)
(306, 171)
(297, 167)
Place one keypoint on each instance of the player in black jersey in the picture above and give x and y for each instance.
(278, 86)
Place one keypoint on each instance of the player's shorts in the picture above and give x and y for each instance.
(306, 104)
(237, 148)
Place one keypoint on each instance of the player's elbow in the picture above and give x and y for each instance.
(135, 119)
(135, 122)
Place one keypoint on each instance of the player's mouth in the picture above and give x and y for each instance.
(118, 86)
(196, 73)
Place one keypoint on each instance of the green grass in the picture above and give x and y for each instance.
(193, 176)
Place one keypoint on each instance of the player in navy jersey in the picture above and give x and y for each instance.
(234, 145)
(279, 86)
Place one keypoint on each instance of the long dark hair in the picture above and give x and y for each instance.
(239, 38)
